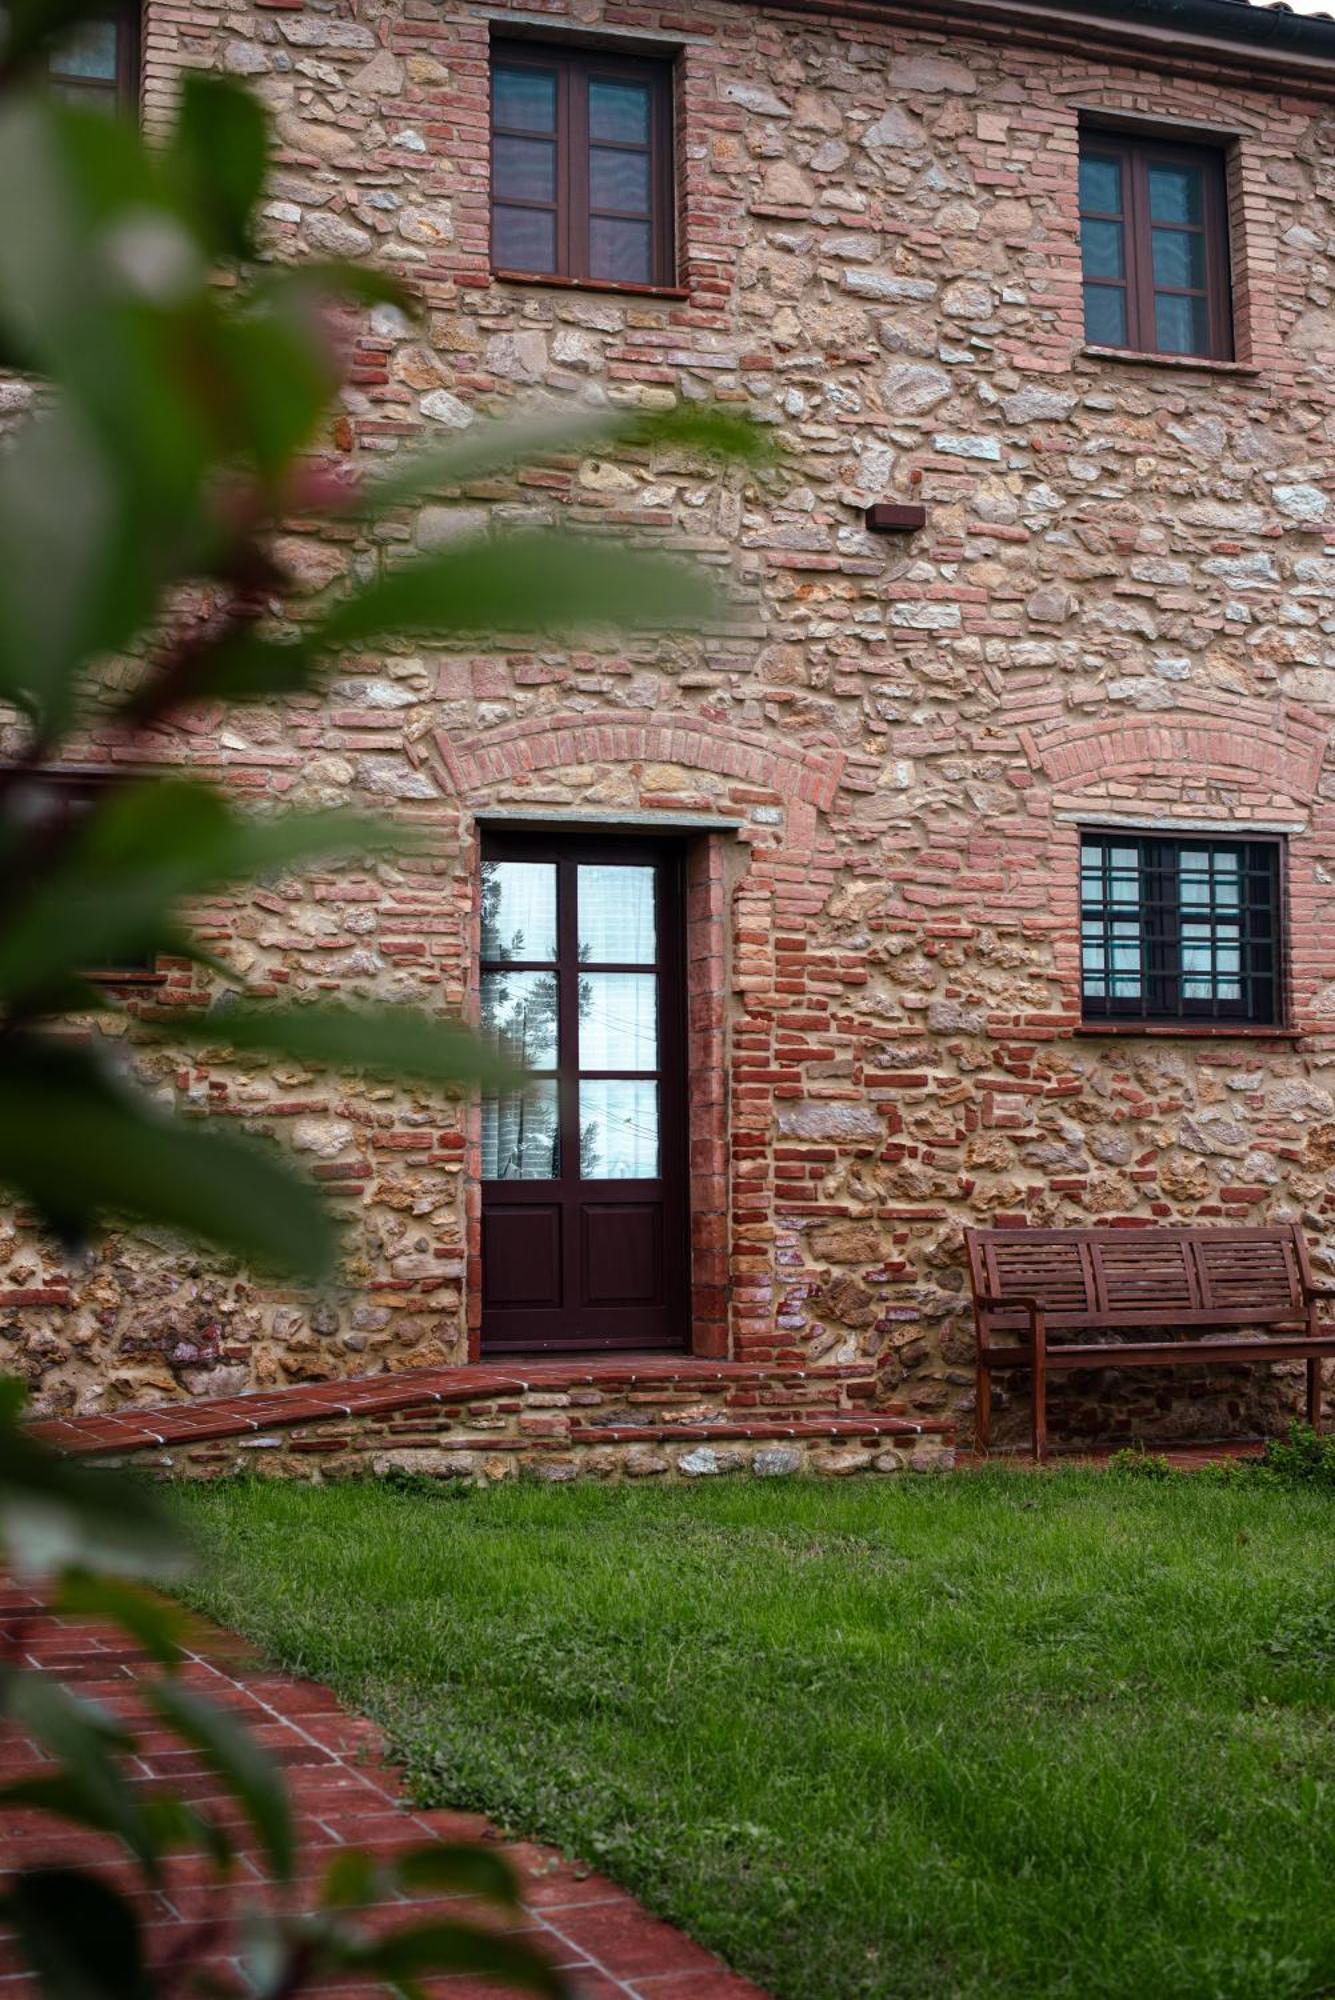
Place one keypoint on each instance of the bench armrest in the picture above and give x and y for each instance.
(1012, 1302)
(1321, 1291)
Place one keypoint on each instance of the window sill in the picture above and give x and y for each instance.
(591, 285)
(1178, 361)
(1193, 1031)
(115, 976)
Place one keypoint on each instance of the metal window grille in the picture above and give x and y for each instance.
(1179, 930)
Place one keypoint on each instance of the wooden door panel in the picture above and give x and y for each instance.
(521, 1255)
(623, 1253)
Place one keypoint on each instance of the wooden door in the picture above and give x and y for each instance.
(584, 1235)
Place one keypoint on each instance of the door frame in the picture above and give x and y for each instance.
(572, 846)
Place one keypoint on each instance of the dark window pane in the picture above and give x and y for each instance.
(1105, 316)
(619, 180)
(619, 111)
(1101, 184)
(1179, 258)
(1180, 325)
(525, 99)
(1175, 194)
(523, 239)
(91, 53)
(1101, 249)
(524, 169)
(620, 251)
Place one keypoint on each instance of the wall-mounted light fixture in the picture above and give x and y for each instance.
(895, 517)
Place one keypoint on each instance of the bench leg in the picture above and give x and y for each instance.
(1040, 1401)
(982, 1407)
(1314, 1393)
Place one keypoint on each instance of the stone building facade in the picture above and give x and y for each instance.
(876, 774)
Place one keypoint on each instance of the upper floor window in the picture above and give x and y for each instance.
(581, 165)
(1179, 930)
(97, 63)
(1154, 246)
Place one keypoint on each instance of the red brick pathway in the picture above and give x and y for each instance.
(344, 1793)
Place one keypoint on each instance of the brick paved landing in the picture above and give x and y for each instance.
(344, 1794)
(762, 1392)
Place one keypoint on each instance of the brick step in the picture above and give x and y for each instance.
(763, 1388)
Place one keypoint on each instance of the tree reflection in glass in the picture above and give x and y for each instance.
(521, 1126)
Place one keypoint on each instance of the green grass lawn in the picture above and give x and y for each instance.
(993, 1734)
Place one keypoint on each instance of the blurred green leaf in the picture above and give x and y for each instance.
(432, 1949)
(62, 515)
(81, 1938)
(521, 582)
(91, 1786)
(57, 1512)
(317, 282)
(218, 157)
(456, 1869)
(351, 1880)
(80, 1145)
(396, 1041)
(143, 850)
(251, 667)
(565, 430)
(150, 1619)
(251, 1775)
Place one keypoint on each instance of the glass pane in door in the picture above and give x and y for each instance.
(520, 1136)
(618, 1020)
(519, 1017)
(616, 915)
(618, 1129)
(519, 911)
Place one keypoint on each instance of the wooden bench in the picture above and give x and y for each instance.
(1032, 1284)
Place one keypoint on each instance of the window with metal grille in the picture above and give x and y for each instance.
(1154, 246)
(581, 165)
(1179, 930)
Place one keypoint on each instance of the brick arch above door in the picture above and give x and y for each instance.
(476, 766)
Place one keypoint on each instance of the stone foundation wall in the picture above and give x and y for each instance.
(1119, 610)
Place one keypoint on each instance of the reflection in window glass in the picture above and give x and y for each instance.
(90, 53)
(524, 169)
(1100, 184)
(1179, 324)
(1175, 193)
(520, 1135)
(519, 1017)
(524, 100)
(619, 251)
(619, 111)
(618, 1130)
(618, 1020)
(1105, 316)
(519, 911)
(1101, 245)
(616, 915)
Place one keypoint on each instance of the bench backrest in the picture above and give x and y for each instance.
(1141, 1277)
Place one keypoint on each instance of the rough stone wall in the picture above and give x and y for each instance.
(1119, 608)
